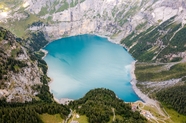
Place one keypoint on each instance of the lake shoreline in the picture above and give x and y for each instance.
(133, 81)
(45, 52)
(141, 95)
(64, 101)
(108, 38)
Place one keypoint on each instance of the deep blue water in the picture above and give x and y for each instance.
(80, 63)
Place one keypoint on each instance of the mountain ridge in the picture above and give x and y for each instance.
(106, 17)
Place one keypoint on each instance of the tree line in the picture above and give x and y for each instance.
(29, 112)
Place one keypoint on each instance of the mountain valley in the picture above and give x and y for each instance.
(152, 31)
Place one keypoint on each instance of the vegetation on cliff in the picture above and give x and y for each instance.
(157, 43)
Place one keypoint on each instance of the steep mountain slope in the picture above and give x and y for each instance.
(22, 71)
(163, 43)
(113, 18)
(18, 73)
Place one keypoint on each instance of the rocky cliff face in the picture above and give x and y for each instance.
(112, 18)
(18, 74)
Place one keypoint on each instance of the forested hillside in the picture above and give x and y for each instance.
(174, 97)
(29, 112)
(98, 105)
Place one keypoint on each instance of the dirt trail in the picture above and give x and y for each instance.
(114, 116)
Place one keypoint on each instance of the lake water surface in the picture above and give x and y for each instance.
(80, 63)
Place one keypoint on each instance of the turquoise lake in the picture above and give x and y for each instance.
(80, 63)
